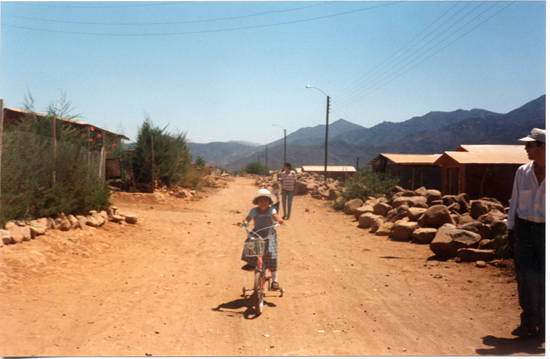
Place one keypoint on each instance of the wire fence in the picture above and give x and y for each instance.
(33, 165)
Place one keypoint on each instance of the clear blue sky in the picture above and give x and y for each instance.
(223, 71)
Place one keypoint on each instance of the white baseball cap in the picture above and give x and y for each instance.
(536, 135)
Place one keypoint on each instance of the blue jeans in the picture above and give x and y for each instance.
(530, 264)
(287, 200)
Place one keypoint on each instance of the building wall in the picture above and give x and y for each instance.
(416, 176)
(495, 181)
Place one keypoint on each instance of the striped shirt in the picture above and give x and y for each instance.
(288, 180)
(528, 197)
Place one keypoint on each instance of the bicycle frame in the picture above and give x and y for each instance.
(262, 276)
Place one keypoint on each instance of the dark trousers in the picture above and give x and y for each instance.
(530, 265)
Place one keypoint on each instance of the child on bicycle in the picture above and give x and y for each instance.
(264, 216)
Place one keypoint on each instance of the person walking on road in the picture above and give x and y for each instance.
(526, 231)
(288, 181)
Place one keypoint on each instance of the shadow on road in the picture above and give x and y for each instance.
(508, 346)
(235, 305)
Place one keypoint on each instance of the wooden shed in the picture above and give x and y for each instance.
(482, 170)
(414, 171)
(340, 173)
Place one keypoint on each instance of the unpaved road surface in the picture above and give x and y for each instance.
(171, 286)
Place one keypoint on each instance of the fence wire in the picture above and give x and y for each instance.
(29, 168)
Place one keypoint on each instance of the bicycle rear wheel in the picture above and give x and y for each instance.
(258, 293)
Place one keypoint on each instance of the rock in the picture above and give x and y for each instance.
(486, 244)
(91, 221)
(366, 219)
(381, 208)
(480, 207)
(74, 221)
(424, 235)
(384, 230)
(82, 221)
(351, 205)
(481, 264)
(131, 219)
(422, 191)
(415, 213)
(16, 233)
(39, 227)
(448, 200)
(448, 241)
(6, 237)
(62, 223)
(376, 223)
(402, 231)
(437, 202)
(301, 188)
(497, 227)
(118, 218)
(433, 195)
(362, 210)
(435, 217)
(493, 215)
(465, 218)
(474, 254)
(98, 217)
(464, 201)
(454, 208)
(477, 227)
(398, 213)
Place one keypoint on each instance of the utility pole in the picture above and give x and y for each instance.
(326, 138)
(266, 170)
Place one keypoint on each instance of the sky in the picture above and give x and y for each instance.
(230, 71)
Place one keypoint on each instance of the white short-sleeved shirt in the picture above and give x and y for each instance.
(528, 197)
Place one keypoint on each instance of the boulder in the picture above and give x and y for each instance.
(435, 217)
(82, 221)
(474, 254)
(448, 199)
(477, 227)
(449, 240)
(365, 220)
(39, 227)
(351, 205)
(415, 213)
(6, 237)
(465, 218)
(483, 206)
(433, 195)
(492, 216)
(454, 208)
(16, 233)
(464, 201)
(421, 191)
(377, 222)
(301, 188)
(362, 210)
(74, 221)
(91, 221)
(424, 235)
(63, 223)
(381, 208)
(131, 219)
(497, 227)
(403, 230)
(398, 213)
(385, 229)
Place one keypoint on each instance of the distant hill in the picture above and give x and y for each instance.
(435, 132)
(246, 143)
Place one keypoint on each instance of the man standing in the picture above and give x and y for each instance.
(288, 181)
(526, 231)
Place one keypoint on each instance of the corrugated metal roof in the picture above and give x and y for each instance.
(411, 159)
(329, 168)
(80, 123)
(486, 154)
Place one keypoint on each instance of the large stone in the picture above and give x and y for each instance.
(362, 210)
(16, 233)
(38, 227)
(301, 188)
(449, 240)
(74, 222)
(474, 254)
(402, 230)
(82, 221)
(91, 221)
(366, 219)
(398, 213)
(415, 213)
(351, 205)
(435, 217)
(62, 223)
(6, 237)
(377, 222)
(477, 227)
(424, 235)
(433, 195)
(384, 230)
(132, 219)
(381, 208)
(482, 206)
(493, 215)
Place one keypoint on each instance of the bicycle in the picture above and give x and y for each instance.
(254, 246)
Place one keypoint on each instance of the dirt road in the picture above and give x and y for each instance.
(171, 286)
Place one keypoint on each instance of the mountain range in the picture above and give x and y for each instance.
(351, 144)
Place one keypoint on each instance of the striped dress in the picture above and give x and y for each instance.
(263, 220)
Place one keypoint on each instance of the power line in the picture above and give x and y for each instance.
(174, 22)
(210, 31)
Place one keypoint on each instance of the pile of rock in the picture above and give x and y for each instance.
(452, 225)
(19, 231)
(311, 183)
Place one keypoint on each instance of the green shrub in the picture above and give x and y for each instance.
(257, 168)
(366, 183)
(172, 159)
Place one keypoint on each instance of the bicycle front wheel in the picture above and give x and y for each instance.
(258, 293)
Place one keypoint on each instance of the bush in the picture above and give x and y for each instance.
(257, 168)
(172, 160)
(366, 183)
(28, 169)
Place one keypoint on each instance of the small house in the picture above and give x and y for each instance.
(481, 170)
(340, 173)
(413, 171)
